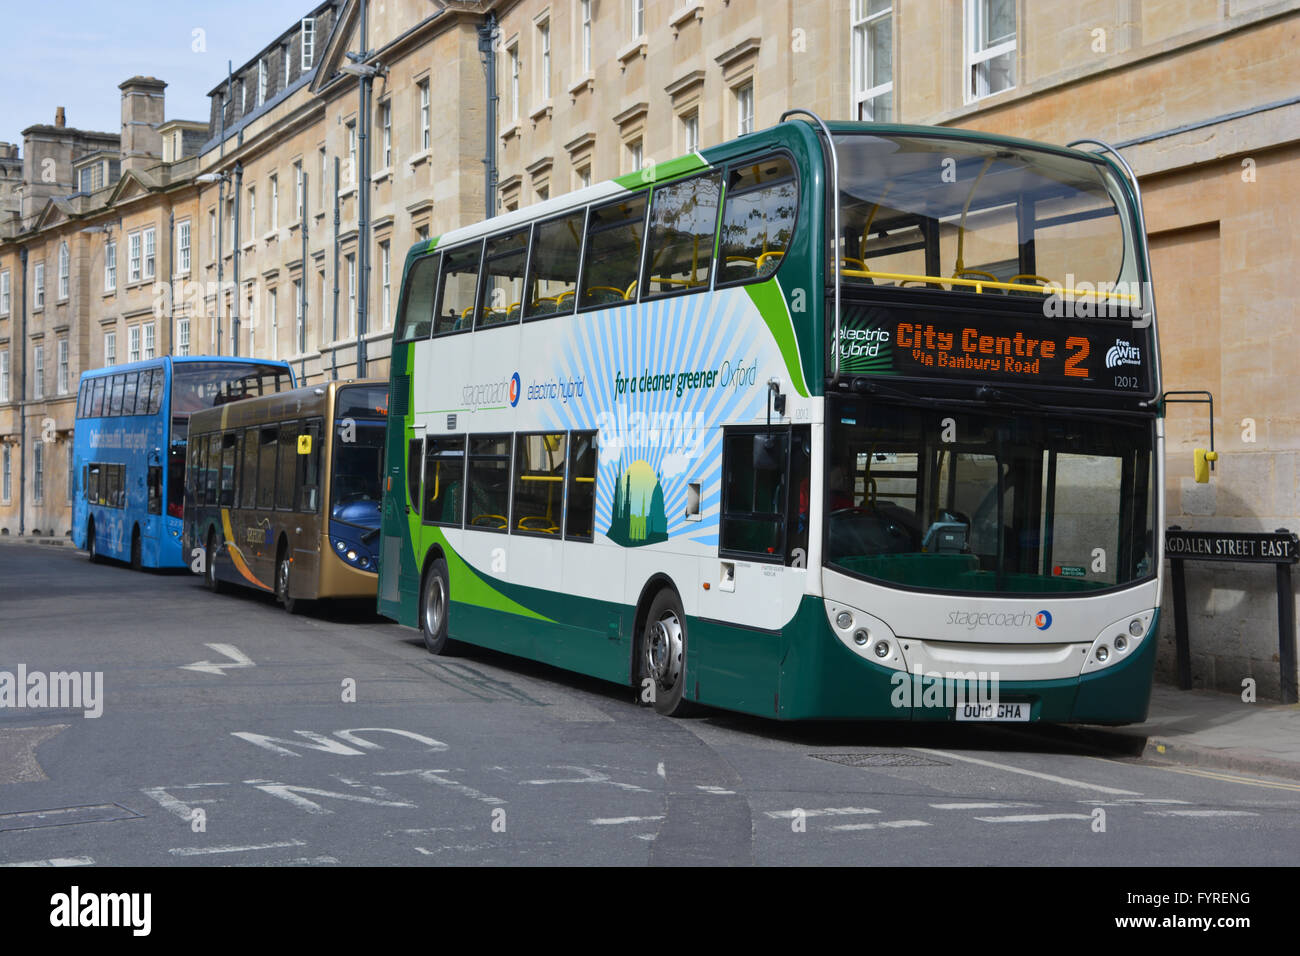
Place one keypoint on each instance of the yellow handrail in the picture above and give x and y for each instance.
(979, 284)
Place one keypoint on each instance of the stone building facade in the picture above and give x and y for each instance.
(285, 257)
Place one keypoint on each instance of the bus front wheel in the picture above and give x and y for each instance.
(284, 568)
(434, 604)
(92, 551)
(214, 583)
(663, 654)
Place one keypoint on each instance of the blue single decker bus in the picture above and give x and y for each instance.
(129, 449)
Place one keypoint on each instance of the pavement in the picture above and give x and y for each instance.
(1200, 728)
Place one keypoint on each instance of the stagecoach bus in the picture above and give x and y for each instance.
(284, 492)
(129, 449)
(828, 421)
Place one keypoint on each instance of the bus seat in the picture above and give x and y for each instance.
(538, 523)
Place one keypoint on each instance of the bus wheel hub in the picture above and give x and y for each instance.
(664, 651)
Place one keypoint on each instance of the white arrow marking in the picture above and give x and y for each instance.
(238, 659)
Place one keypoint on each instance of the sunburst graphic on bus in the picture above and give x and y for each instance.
(638, 514)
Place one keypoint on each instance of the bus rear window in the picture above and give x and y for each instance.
(200, 385)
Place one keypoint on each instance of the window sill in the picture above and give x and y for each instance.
(381, 175)
(249, 246)
(347, 191)
(542, 112)
(584, 84)
(294, 226)
(693, 10)
(630, 52)
(509, 131)
(109, 292)
(422, 156)
(271, 236)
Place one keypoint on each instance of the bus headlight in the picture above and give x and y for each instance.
(861, 636)
(844, 620)
(1135, 627)
(1121, 643)
(882, 648)
(1103, 653)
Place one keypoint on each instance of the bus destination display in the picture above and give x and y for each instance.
(993, 348)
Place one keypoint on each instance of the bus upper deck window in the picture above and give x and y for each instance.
(553, 271)
(758, 217)
(417, 311)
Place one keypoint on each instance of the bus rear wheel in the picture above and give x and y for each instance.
(435, 602)
(662, 654)
(136, 563)
(210, 579)
(92, 550)
(283, 570)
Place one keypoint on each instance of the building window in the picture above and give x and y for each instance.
(636, 18)
(38, 371)
(133, 344)
(297, 317)
(252, 211)
(386, 133)
(110, 349)
(544, 43)
(182, 336)
(274, 193)
(584, 12)
(745, 109)
(873, 60)
(635, 155)
(230, 218)
(4, 376)
(183, 247)
(424, 115)
(149, 253)
(308, 34)
(38, 284)
(990, 47)
(583, 176)
(150, 340)
(63, 271)
(6, 485)
(62, 383)
(72, 460)
(38, 471)
(261, 82)
(299, 193)
(385, 270)
(514, 83)
(4, 292)
(352, 153)
(324, 162)
(691, 132)
(273, 323)
(133, 257)
(352, 296)
(110, 266)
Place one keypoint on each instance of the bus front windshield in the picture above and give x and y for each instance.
(356, 479)
(992, 501)
(939, 213)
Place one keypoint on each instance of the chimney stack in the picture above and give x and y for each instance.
(142, 114)
(60, 120)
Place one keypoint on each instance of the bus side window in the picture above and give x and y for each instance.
(417, 308)
(503, 279)
(800, 491)
(754, 465)
(613, 255)
(83, 398)
(308, 483)
(129, 382)
(757, 219)
(112, 485)
(444, 480)
(229, 458)
(581, 507)
(288, 466)
(155, 489)
(487, 503)
(683, 220)
(156, 391)
(268, 442)
(552, 283)
(118, 386)
(248, 472)
(456, 289)
(212, 472)
(414, 468)
(92, 483)
(142, 395)
(97, 404)
(539, 484)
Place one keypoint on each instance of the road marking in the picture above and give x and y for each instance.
(720, 791)
(617, 821)
(1035, 817)
(205, 850)
(1231, 778)
(1065, 781)
(172, 804)
(237, 659)
(294, 795)
(56, 861)
(432, 776)
(825, 812)
(886, 825)
(588, 776)
(1202, 813)
(980, 806)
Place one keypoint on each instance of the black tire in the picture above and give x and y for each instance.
(661, 654)
(136, 563)
(283, 574)
(435, 601)
(92, 548)
(210, 579)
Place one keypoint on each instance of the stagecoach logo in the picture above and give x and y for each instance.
(1123, 353)
(514, 390)
(972, 620)
(1043, 620)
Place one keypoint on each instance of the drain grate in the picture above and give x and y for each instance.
(883, 759)
(65, 816)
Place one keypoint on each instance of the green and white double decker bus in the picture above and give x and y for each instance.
(829, 421)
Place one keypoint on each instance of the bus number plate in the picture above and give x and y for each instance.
(1011, 711)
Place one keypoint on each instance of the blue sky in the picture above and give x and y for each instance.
(74, 54)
